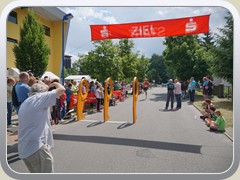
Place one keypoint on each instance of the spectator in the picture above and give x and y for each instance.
(58, 111)
(22, 88)
(68, 99)
(170, 93)
(191, 89)
(178, 92)
(183, 88)
(219, 124)
(10, 83)
(74, 87)
(206, 109)
(211, 117)
(205, 89)
(210, 87)
(98, 94)
(35, 137)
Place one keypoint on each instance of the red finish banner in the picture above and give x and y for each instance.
(171, 27)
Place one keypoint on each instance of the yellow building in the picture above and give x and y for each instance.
(51, 18)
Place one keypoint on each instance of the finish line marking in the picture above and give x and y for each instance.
(113, 122)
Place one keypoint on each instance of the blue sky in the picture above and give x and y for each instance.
(79, 37)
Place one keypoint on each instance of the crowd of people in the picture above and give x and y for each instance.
(33, 99)
(211, 116)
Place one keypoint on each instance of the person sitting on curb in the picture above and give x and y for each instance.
(211, 117)
(219, 124)
(206, 109)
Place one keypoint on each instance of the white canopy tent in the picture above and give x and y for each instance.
(50, 75)
(13, 72)
(78, 78)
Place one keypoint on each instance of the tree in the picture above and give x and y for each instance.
(157, 69)
(32, 51)
(186, 57)
(222, 63)
(207, 40)
(128, 59)
(141, 68)
(102, 62)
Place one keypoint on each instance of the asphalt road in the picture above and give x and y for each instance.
(160, 141)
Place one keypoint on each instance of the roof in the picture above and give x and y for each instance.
(78, 77)
(13, 72)
(50, 13)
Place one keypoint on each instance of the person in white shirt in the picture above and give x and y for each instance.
(35, 137)
(98, 94)
(178, 93)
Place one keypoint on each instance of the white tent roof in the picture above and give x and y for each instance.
(51, 75)
(77, 77)
(13, 72)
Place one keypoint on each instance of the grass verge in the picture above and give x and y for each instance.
(221, 104)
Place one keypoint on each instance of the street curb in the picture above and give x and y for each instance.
(228, 135)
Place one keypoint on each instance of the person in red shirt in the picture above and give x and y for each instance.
(145, 87)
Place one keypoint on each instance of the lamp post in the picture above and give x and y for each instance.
(65, 17)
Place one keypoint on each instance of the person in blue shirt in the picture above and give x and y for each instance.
(22, 88)
(191, 89)
(170, 93)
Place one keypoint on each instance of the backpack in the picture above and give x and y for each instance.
(14, 97)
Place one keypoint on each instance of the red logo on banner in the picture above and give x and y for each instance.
(172, 27)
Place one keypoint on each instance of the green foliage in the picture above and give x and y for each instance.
(157, 69)
(222, 63)
(186, 57)
(113, 60)
(32, 52)
(102, 62)
(142, 65)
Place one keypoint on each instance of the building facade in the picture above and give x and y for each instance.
(51, 19)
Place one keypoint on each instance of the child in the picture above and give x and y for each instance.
(211, 117)
(206, 109)
(219, 124)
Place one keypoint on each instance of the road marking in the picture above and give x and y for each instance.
(113, 122)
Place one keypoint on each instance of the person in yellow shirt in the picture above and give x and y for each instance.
(74, 87)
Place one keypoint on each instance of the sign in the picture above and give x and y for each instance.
(172, 27)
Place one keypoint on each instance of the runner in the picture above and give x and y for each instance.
(145, 87)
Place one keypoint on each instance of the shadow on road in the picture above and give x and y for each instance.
(124, 125)
(159, 97)
(131, 142)
(95, 124)
(163, 97)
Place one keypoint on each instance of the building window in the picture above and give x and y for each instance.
(67, 62)
(12, 40)
(47, 30)
(12, 17)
